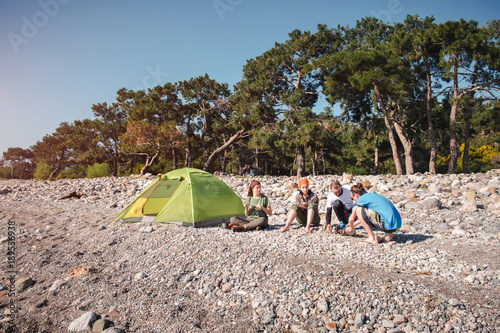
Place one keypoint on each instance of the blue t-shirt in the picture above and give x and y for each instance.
(380, 204)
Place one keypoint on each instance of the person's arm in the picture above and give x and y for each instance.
(266, 210)
(328, 218)
(247, 207)
(350, 223)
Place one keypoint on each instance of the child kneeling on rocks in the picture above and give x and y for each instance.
(373, 211)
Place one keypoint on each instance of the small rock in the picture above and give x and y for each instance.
(297, 311)
(101, 325)
(24, 283)
(57, 284)
(84, 322)
(226, 287)
(387, 323)
(359, 320)
(399, 319)
(431, 203)
(322, 305)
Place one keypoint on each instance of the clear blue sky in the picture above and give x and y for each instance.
(59, 57)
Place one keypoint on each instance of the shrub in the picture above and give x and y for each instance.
(5, 172)
(98, 170)
(74, 171)
(137, 169)
(356, 171)
(42, 171)
(481, 159)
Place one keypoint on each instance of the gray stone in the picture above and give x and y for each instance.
(412, 205)
(58, 284)
(226, 287)
(430, 203)
(297, 311)
(441, 227)
(322, 305)
(492, 229)
(399, 319)
(101, 325)
(359, 320)
(84, 322)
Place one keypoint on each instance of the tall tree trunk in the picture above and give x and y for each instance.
(392, 140)
(465, 158)
(376, 161)
(223, 163)
(323, 161)
(202, 137)
(430, 126)
(467, 117)
(174, 159)
(453, 124)
(256, 161)
(301, 165)
(188, 144)
(314, 161)
(407, 145)
(188, 157)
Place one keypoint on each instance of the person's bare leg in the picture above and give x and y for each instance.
(291, 217)
(310, 216)
(372, 239)
(388, 237)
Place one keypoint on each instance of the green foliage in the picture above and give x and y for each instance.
(357, 171)
(98, 170)
(481, 159)
(5, 172)
(42, 171)
(72, 172)
(137, 168)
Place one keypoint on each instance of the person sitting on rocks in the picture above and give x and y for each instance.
(373, 211)
(305, 208)
(257, 208)
(339, 200)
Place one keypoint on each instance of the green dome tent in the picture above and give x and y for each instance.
(185, 196)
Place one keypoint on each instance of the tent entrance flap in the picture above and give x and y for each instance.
(159, 196)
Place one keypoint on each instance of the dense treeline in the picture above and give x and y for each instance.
(415, 96)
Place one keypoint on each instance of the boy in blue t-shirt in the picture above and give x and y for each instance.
(373, 211)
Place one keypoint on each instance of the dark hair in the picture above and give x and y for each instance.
(358, 189)
(253, 183)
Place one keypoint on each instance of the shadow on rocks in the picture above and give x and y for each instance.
(410, 238)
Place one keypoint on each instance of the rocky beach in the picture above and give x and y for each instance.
(68, 267)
